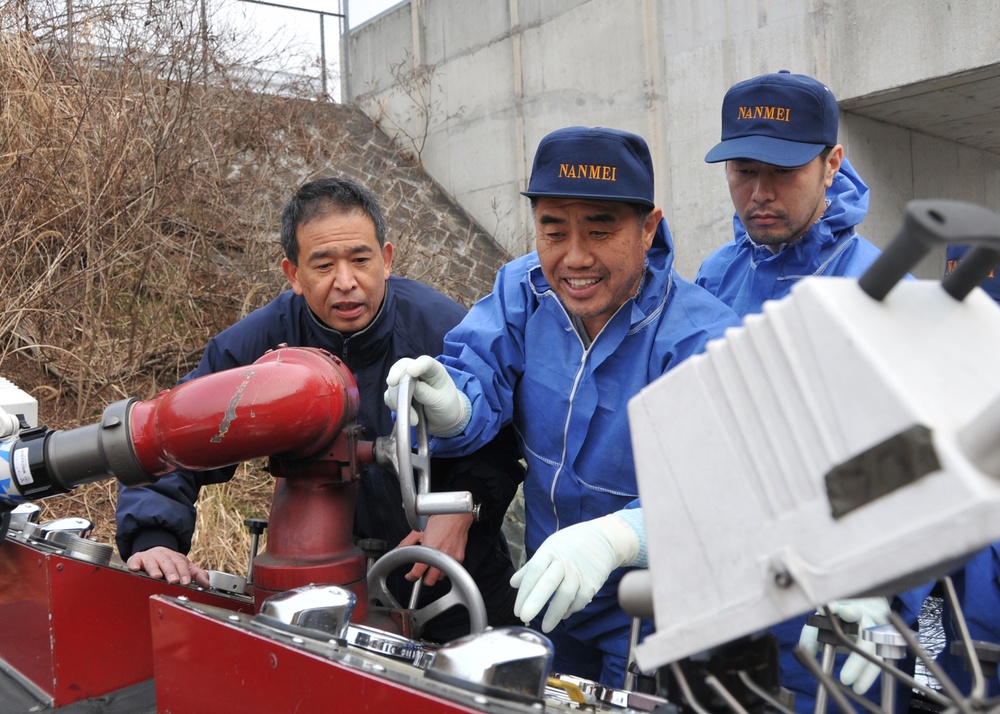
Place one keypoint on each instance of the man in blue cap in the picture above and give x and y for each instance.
(568, 335)
(798, 201)
(797, 198)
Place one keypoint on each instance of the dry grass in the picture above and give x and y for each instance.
(221, 540)
(220, 537)
(118, 205)
(137, 215)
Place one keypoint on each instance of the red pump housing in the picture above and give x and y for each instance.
(297, 405)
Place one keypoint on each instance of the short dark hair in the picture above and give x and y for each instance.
(325, 196)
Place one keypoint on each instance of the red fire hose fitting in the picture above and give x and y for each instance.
(292, 401)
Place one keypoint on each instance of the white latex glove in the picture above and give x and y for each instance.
(857, 672)
(444, 405)
(571, 566)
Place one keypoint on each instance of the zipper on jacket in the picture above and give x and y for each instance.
(576, 381)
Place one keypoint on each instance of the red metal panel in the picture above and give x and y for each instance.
(78, 630)
(24, 614)
(203, 664)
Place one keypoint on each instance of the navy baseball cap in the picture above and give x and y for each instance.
(782, 119)
(597, 163)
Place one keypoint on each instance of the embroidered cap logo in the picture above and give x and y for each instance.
(771, 113)
(588, 171)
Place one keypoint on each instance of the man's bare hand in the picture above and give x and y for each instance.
(174, 567)
(447, 533)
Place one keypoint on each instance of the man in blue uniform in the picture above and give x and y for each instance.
(797, 198)
(568, 335)
(343, 300)
(798, 202)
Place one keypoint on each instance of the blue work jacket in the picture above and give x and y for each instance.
(745, 275)
(519, 359)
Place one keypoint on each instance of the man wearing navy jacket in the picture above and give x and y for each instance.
(343, 300)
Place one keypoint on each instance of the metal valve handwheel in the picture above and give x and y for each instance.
(414, 470)
(419, 464)
(394, 451)
(463, 591)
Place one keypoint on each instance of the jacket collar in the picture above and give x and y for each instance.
(364, 345)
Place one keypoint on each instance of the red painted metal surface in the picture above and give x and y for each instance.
(298, 406)
(78, 630)
(309, 540)
(298, 399)
(204, 665)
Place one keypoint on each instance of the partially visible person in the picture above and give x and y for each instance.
(954, 253)
(798, 203)
(977, 582)
(977, 586)
(344, 300)
(569, 334)
(798, 200)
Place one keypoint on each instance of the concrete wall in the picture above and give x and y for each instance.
(505, 72)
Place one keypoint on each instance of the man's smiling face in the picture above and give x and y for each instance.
(592, 253)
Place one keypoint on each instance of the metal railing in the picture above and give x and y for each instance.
(341, 16)
(75, 11)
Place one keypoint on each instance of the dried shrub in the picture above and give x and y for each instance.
(221, 540)
(409, 110)
(137, 210)
(143, 164)
(137, 202)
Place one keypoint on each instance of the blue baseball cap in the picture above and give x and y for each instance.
(782, 119)
(597, 163)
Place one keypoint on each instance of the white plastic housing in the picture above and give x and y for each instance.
(14, 400)
(732, 447)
